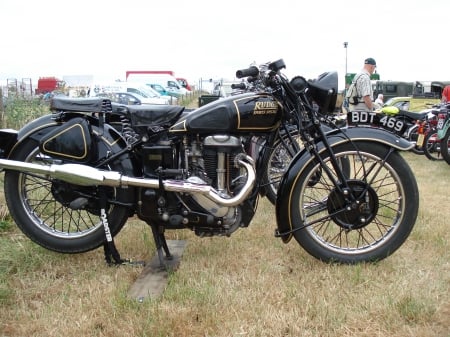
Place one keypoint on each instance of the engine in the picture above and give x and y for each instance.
(211, 161)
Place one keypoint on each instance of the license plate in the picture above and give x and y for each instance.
(420, 140)
(380, 120)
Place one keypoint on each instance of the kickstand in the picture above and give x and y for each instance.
(112, 255)
(161, 246)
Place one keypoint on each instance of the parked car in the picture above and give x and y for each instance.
(163, 92)
(169, 82)
(159, 88)
(126, 98)
(413, 104)
(148, 94)
(152, 96)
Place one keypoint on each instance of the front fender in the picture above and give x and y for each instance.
(303, 158)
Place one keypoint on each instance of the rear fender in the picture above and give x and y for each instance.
(303, 158)
(35, 129)
(8, 138)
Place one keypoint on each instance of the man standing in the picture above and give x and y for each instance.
(361, 92)
(379, 101)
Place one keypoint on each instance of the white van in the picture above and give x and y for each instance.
(169, 82)
(150, 96)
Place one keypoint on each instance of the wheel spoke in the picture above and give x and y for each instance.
(50, 214)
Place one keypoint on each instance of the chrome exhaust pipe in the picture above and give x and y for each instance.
(88, 176)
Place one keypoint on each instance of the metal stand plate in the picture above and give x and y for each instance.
(153, 279)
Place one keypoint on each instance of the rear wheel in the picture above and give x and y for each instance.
(432, 146)
(56, 215)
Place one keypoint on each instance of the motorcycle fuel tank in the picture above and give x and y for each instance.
(239, 113)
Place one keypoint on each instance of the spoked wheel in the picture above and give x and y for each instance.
(432, 146)
(56, 215)
(281, 156)
(445, 147)
(367, 218)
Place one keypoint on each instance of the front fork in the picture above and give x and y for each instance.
(340, 179)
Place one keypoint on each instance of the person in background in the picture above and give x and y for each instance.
(446, 94)
(364, 93)
(379, 101)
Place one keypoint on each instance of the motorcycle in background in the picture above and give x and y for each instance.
(428, 139)
(403, 123)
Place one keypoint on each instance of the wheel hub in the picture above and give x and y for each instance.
(75, 197)
(355, 207)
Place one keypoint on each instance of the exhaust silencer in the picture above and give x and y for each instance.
(88, 176)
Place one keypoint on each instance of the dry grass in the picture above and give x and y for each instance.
(248, 285)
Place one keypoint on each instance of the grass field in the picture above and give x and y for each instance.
(248, 285)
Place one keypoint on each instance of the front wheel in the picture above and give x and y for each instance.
(367, 218)
(49, 211)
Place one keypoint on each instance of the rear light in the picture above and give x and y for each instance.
(421, 128)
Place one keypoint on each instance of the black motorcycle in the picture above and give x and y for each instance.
(74, 177)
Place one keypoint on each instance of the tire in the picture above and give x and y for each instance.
(279, 160)
(432, 146)
(445, 147)
(40, 207)
(370, 230)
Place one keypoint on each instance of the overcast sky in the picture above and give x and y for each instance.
(410, 40)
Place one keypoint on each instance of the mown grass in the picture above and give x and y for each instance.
(250, 284)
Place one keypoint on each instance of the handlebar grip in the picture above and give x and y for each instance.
(252, 71)
(238, 86)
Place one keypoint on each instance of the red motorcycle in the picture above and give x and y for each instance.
(427, 138)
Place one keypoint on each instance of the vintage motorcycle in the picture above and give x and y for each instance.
(74, 177)
(390, 118)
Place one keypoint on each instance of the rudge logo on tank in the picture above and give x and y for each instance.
(265, 108)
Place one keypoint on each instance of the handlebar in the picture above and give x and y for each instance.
(240, 86)
(252, 71)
